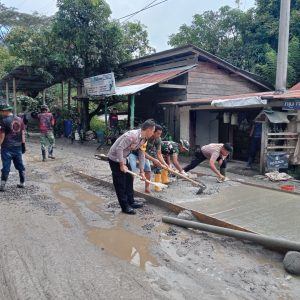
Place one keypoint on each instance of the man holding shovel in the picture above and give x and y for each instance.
(153, 153)
(212, 152)
(118, 153)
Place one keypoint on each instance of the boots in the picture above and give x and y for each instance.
(22, 179)
(157, 178)
(147, 185)
(165, 176)
(2, 186)
(44, 155)
(50, 154)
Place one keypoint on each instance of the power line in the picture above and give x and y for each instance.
(150, 5)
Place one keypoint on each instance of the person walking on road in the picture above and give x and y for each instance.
(212, 152)
(117, 157)
(12, 141)
(46, 120)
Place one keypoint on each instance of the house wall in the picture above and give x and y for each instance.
(207, 80)
(207, 128)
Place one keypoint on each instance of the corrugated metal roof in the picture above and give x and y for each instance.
(132, 85)
(293, 93)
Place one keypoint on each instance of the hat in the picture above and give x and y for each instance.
(4, 106)
(44, 106)
(185, 144)
(228, 147)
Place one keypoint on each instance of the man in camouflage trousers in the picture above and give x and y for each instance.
(46, 120)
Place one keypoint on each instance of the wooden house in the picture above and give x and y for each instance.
(169, 86)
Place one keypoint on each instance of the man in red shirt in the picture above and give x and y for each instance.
(46, 120)
(12, 141)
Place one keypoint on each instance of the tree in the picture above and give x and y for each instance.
(10, 17)
(135, 40)
(248, 40)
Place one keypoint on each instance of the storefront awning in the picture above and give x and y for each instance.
(249, 101)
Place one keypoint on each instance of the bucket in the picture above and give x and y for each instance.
(100, 136)
(226, 117)
(287, 187)
(234, 119)
(67, 127)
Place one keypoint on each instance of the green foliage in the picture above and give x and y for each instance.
(96, 124)
(247, 39)
(10, 17)
(135, 40)
(8, 61)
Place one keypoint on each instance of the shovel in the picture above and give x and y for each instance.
(200, 184)
(158, 184)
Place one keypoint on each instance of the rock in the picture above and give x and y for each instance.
(291, 262)
(186, 215)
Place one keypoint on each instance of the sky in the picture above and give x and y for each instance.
(161, 21)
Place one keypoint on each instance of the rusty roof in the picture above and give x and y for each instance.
(293, 93)
(154, 77)
(132, 85)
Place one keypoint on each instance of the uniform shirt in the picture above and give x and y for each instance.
(153, 145)
(129, 141)
(113, 120)
(46, 121)
(169, 148)
(212, 151)
(13, 127)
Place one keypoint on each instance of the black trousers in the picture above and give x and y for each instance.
(123, 183)
(198, 159)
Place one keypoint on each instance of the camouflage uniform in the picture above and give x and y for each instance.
(154, 145)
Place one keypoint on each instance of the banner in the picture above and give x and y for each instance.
(100, 85)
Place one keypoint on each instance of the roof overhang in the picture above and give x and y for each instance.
(133, 85)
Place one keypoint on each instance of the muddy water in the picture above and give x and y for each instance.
(123, 244)
(100, 228)
(264, 211)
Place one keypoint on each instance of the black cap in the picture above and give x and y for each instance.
(228, 147)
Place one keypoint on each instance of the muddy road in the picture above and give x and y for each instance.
(63, 237)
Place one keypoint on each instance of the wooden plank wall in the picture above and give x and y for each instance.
(207, 80)
(159, 66)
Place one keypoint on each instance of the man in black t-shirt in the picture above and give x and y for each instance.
(12, 141)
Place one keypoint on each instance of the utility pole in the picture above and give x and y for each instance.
(283, 45)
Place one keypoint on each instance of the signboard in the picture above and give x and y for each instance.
(291, 104)
(100, 85)
(277, 160)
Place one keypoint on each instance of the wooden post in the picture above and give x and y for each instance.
(44, 97)
(132, 112)
(105, 112)
(263, 147)
(15, 95)
(69, 94)
(7, 92)
(62, 95)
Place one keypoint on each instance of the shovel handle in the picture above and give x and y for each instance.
(185, 177)
(140, 177)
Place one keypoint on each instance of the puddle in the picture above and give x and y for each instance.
(74, 197)
(125, 245)
(115, 240)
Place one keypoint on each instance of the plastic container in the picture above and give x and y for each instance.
(287, 187)
(67, 127)
(100, 136)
